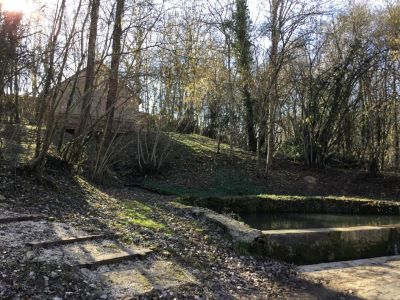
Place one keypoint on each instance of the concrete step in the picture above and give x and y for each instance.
(114, 258)
(19, 234)
(69, 240)
(20, 218)
(91, 254)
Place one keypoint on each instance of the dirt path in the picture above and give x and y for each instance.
(376, 278)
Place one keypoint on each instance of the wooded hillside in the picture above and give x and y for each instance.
(313, 81)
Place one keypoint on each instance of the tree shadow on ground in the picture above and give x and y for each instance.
(17, 143)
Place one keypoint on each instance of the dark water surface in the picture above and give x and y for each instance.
(268, 221)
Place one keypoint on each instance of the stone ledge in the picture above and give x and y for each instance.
(239, 231)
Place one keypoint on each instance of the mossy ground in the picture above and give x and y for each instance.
(194, 168)
(137, 213)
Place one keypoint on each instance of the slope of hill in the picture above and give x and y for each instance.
(195, 168)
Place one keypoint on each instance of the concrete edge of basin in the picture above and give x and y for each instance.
(331, 229)
(308, 246)
(239, 231)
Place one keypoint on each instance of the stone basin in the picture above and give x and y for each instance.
(306, 246)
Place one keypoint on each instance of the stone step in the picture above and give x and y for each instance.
(91, 254)
(69, 240)
(21, 218)
(114, 258)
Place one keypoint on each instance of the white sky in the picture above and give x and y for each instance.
(256, 6)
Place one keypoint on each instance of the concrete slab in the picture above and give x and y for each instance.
(141, 277)
(376, 278)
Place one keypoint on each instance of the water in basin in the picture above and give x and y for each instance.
(272, 221)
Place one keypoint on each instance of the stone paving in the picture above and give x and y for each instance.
(375, 279)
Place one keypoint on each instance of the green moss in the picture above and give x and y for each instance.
(224, 182)
(243, 248)
(140, 214)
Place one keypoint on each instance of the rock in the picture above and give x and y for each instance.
(310, 180)
(30, 254)
(2, 198)
(46, 281)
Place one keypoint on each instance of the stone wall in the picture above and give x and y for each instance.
(330, 244)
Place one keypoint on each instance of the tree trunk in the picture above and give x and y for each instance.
(112, 94)
(90, 68)
(396, 124)
(272, 97)
(16, 93)
(249, 118)
(114, 71)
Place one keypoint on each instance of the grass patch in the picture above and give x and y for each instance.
(137, 213)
